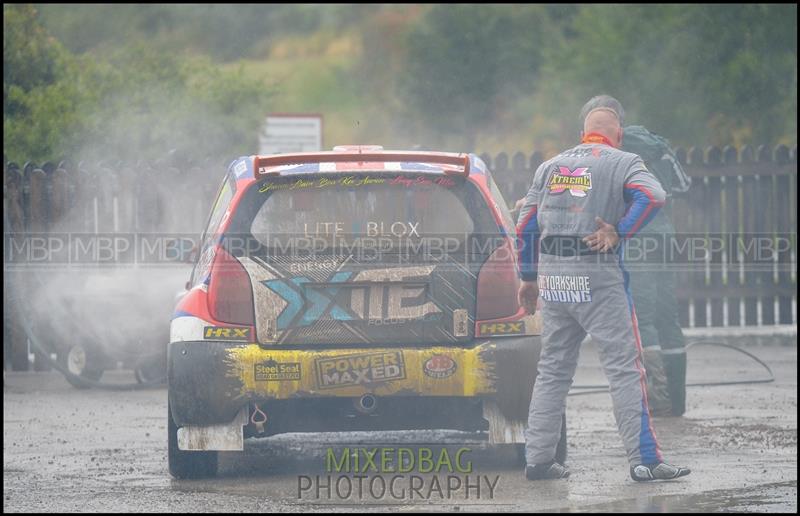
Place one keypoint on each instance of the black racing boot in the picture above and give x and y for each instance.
(675, 367)
(660, 471)
(549, 471)
(657, 382)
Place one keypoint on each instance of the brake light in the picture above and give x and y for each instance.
(498, 284)
(230, 296)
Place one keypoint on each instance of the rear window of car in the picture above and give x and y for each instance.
(351, 213)
(377, 211)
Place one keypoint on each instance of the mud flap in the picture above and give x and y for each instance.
(228, 437)
(501, 429)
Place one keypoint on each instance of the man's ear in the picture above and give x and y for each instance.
(620, 134)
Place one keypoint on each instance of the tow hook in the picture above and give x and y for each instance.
(258, 418)
(366, 404)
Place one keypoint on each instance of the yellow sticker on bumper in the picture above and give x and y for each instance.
(436, 371)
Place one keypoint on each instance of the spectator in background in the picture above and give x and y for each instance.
(652, 285)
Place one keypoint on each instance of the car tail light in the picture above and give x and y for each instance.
(230, 296)
(498, 284)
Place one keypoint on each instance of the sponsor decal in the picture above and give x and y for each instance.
(408, 182)
(373, 298)
(502, 328)
(565, 289)
(224, 333)
(360, 369)
(317, 265)
(370, 228)
(567, 228)
(439, 366)
(350, 181)
(583, 152)
(271, 370)
(578, 181)
(240, 168)
(571, 209)
(389, 321)
(460, 319)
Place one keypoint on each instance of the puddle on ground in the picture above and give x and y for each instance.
(780, 497)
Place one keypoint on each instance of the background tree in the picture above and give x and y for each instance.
(462, 60)
(696, 73)
(136, 102)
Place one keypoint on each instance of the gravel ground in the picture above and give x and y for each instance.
(71, 450)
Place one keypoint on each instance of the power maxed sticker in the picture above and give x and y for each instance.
(360, 369)
(439, 366)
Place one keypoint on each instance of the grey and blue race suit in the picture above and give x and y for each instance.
(584, 291)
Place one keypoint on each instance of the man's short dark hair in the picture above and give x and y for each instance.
(602, 101)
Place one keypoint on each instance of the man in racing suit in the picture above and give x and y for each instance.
(566, 243)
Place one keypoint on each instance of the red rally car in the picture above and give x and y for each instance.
(358, 289)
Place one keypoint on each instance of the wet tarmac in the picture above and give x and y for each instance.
(71, 450)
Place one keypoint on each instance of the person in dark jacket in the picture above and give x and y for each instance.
(652, 283)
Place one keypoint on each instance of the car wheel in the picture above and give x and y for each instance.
(81, 362)
(187, 464)
(153, 370)
(561, 449)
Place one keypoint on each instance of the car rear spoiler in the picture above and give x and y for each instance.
(261, 163)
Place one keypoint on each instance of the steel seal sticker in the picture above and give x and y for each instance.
(360, 369)
(439, 366)
(271, 370)
(226, 333)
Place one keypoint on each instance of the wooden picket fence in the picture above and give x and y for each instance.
(735, 191)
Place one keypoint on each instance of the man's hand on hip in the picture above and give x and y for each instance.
(604, 239)
(528, 295)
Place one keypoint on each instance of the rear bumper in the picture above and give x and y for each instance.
(210, 381)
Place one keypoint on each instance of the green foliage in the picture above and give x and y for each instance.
(154, 102)
(29, 55)
(137, 103)
(221, 31)
(33, 62)
(142, 79)
(463, 60)
(697, 73)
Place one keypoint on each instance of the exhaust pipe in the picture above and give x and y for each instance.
(366, 404)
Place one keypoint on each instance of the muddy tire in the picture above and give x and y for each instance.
(153, 370)
(83, 362)
(187, 464)
(561, 449)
